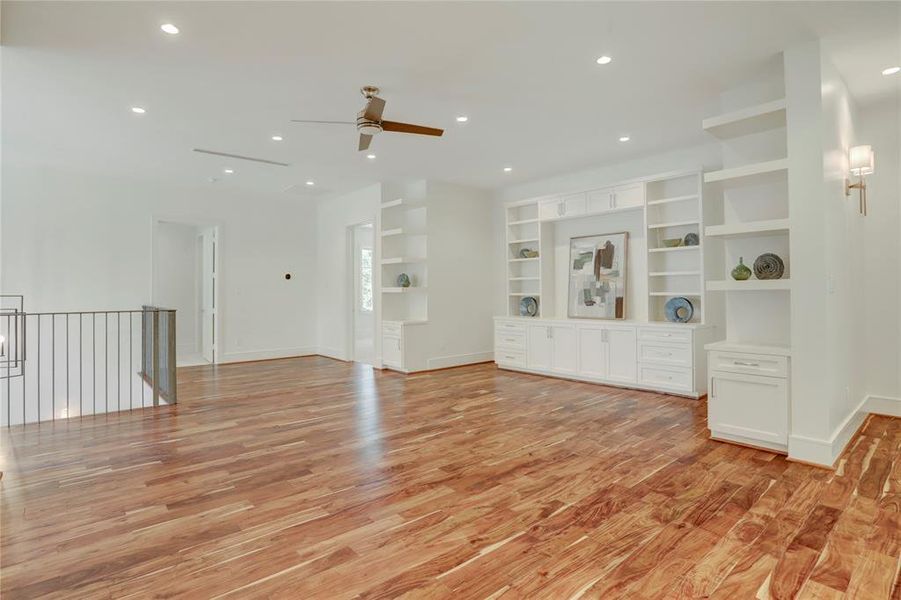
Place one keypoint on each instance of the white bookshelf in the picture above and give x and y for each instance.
(748, 199)
(523, 232)
(404, 249)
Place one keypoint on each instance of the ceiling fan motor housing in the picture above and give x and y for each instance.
(366, 126)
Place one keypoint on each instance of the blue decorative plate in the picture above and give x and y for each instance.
(678, 310)
(528, 307)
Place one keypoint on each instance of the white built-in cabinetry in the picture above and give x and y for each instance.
(661, 357)
(748, 200)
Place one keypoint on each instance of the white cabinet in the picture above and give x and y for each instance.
(552, 208)
(570, 205)
(749, 408)
(539, 347)
(622, 365)
(392, 350)
(625, 196)
(600, 200)
(573, 205)
(593, 354)
(564, 351)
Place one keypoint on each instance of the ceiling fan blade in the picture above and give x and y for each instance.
(365, 140)
(374, 109)
(410, 128)
(329, 122)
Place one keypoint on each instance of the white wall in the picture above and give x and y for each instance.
(332, 286)
(81, 242)
(176, 268)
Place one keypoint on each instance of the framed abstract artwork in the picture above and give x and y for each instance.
(597, 276)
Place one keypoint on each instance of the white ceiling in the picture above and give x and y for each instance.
(524, 73)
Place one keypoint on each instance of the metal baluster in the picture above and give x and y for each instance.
(156, 357)
(171, 363)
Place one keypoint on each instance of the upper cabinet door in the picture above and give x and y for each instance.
(552, 208)
(593, 352)
(628, 195)
(574, 204)
(622, 349)
(539, 347)
(565, 350)
(600, 200)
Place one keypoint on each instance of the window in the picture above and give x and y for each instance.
(366, 279)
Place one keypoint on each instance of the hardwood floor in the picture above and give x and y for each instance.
(312, 478)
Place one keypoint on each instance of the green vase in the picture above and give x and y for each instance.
(741, 272)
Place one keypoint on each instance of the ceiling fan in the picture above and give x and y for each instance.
(369, 120)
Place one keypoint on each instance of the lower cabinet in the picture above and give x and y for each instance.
(749, 399)
(392, 351)
(603, 352)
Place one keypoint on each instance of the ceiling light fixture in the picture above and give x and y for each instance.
(277, 138)
(462, 119)
(507, 169)
(311, 183)
(169, 28)
(138, 110)
(229, 171)
(624, 138)
(604, 60)
(891, 70)
(370, 156)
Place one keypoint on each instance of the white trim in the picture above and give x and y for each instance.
(826, 452)
(443, 362)
(336, 353)
(882, 405)
(230, 357)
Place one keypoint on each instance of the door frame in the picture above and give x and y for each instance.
(155, 222)
(351, 298)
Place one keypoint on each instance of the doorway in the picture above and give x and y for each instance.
(185, 266)
(363, 286)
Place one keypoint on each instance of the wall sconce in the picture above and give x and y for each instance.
(861, 161)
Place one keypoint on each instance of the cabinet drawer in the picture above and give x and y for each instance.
(511, 358)
(508, 327)
(391, 328)
(751, 364)
(666, 377)
(662, 353)
(664, 334)
(512, 339)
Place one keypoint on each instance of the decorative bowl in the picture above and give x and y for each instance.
(672, 242)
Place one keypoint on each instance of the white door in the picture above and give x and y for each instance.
(363, 281)
(539, 349)
(593, 352)
(622, 351)
(208, 295)
(564, 354)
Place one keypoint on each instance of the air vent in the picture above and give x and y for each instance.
(241, 157)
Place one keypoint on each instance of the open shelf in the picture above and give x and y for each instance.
(392, 232)
(773, 226)
(400, 202)
(673, 273)
(673, 199)
(524, 241)
(402, 260)
(673, 224)
(402, 290)
(525, 294)
(668, 293)
(522, 259)
(745, 171)
(750, 348)
(524, 278)
(752, 119)
(749, 285)
(673, 249)
(524, 222)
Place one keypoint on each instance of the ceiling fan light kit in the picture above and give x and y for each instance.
(369, 121)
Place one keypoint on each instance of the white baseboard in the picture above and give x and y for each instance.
(883, 405)
(336, 353)
(826, 452)
(457, 360)
(231, 357)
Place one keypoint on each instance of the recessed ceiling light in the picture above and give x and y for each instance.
(507, 169)
(891, 70)
(604, 60)
(138, 110)
(462, 119)
(624, 138)
(229, 171)
(169, 28)
(277, 138)
(311, 183)
(370, 156)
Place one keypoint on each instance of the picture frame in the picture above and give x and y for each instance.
(597, 276)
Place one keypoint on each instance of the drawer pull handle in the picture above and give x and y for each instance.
(741, 363)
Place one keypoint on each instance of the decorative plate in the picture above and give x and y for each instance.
(769, 266)
(679, 310)
(528, 307)
(691, 239)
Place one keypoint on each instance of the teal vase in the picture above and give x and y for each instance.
(741, 272)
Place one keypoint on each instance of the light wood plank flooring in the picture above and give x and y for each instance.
(312, 478)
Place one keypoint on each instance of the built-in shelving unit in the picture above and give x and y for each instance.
(673, 211)
(523, 234)
(404, 249)
(749, 204)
